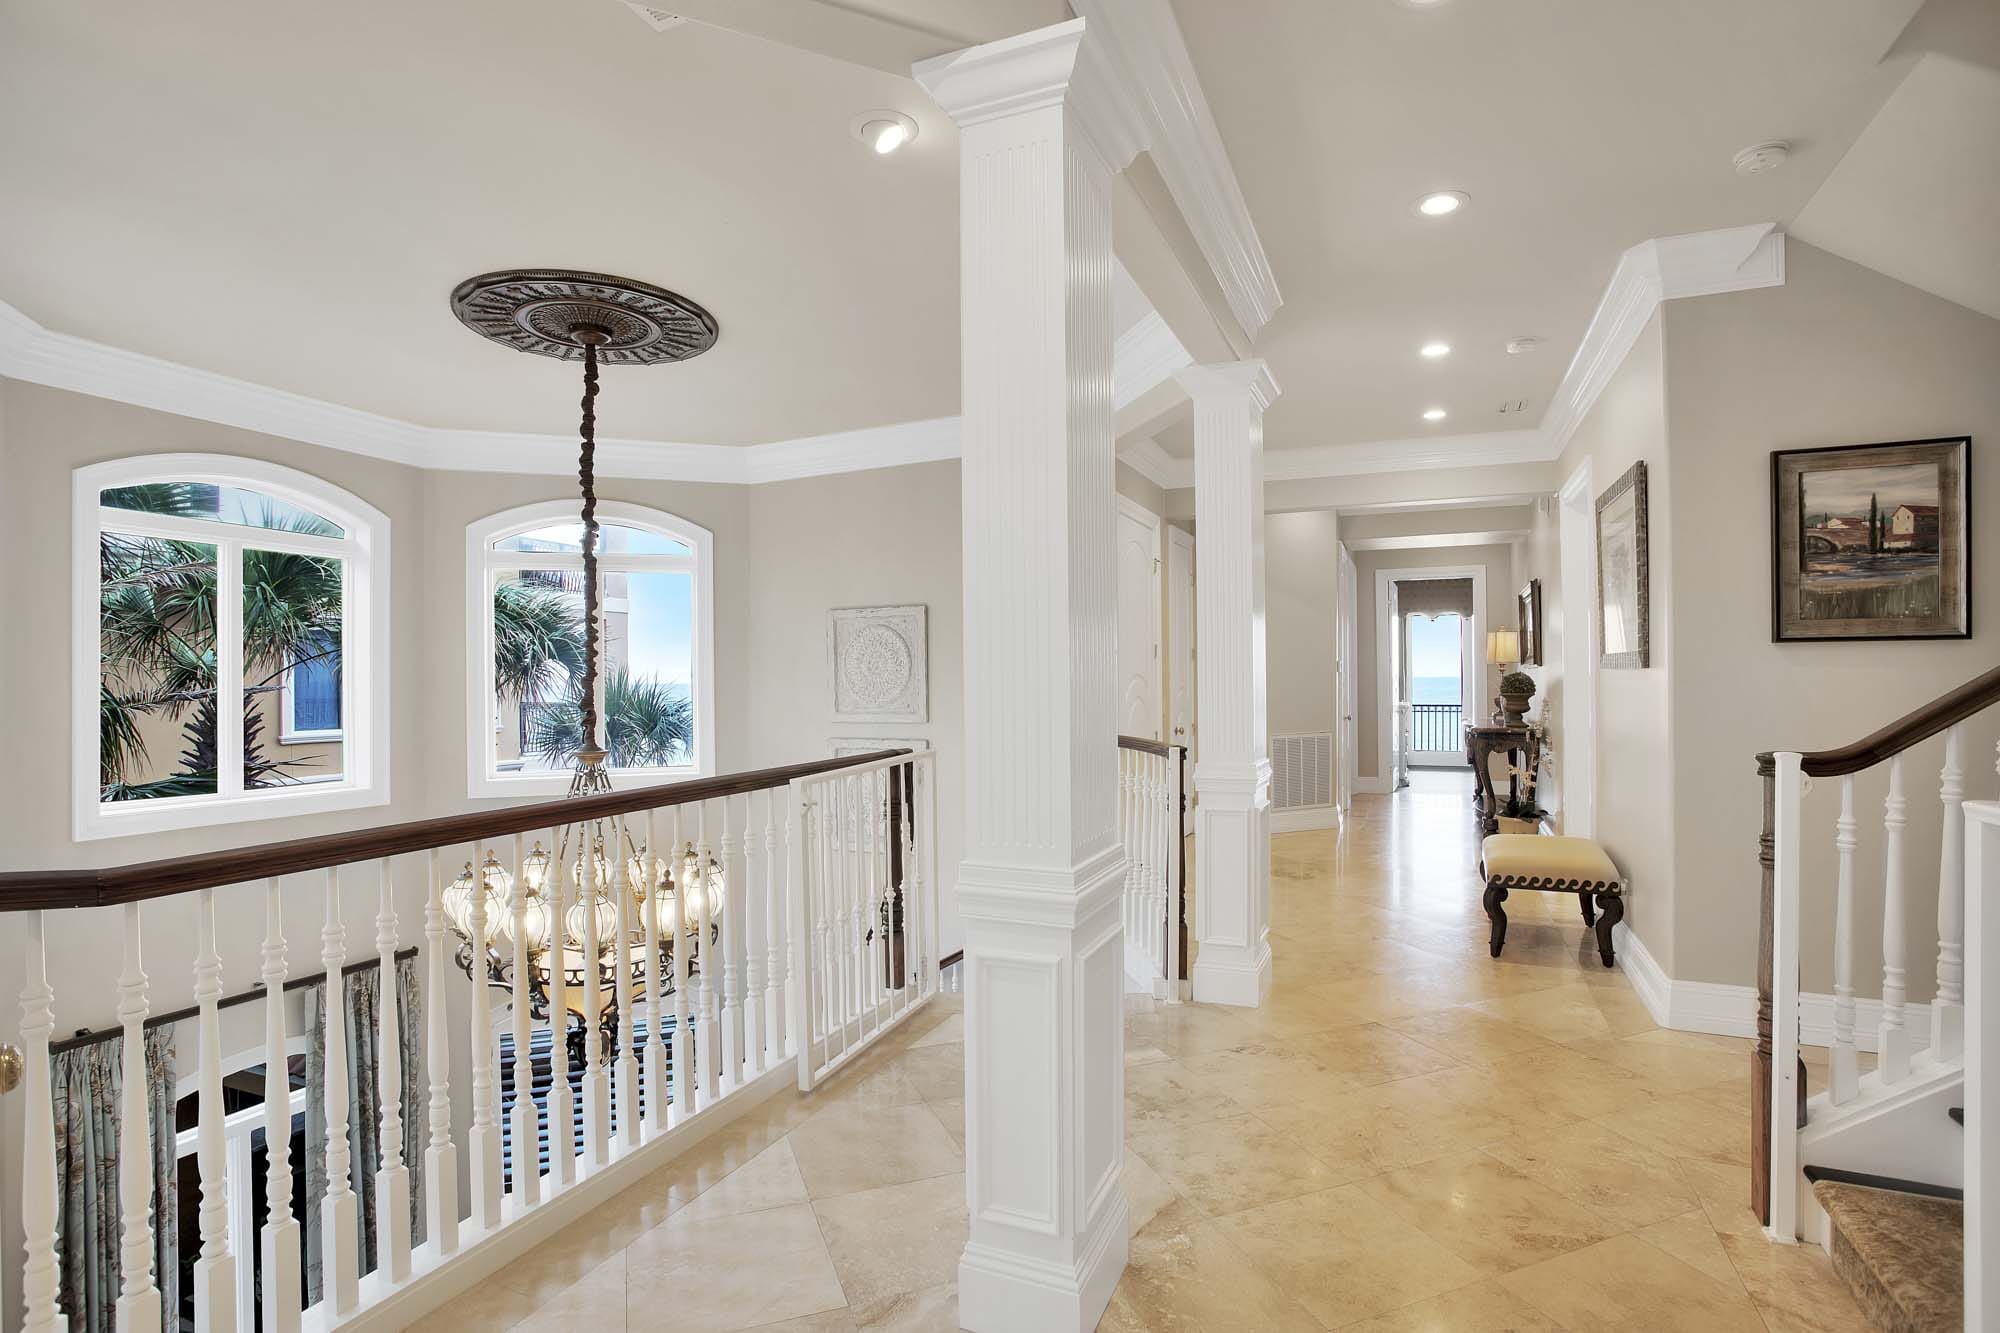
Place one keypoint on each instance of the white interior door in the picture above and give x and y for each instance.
(1139, 710)
(1346, 733)
(1180, 638)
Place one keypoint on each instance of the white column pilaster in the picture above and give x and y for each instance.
(1042, 133)
(1232, 894)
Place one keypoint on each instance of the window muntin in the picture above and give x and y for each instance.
(655, 713)
(222, 627)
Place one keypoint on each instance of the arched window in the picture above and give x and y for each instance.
(524, 589)
(230, 645)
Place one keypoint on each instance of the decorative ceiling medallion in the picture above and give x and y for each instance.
(552, 311)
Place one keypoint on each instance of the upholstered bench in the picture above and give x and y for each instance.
(1510, 861)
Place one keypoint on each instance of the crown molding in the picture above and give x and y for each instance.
(1704, 263)
(1145, 457)
(1250, 379)
(1143, 356)
(1427, 540)
(1141, 43)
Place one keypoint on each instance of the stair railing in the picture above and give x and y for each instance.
(1778, 1086)
(1982, 1064)
(1152, 817)
(723, 1018)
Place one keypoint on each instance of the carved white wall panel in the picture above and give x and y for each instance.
(877, 658)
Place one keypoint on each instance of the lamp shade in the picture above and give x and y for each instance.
(1503, 645)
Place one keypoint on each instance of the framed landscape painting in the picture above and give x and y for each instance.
(1624, 638)
(1870, 541)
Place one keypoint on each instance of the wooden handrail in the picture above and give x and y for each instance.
(38, 890)
(1940, 714)
(1141, 743)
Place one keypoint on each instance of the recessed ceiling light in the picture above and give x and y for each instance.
(1442, 203)
(1759, 158)
(1435, 414)
(884, 131)
(1422, 4)
(1432, 351)
(1519, 346)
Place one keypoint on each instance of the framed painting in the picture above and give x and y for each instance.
(1623, 633)
(1870, 541)
(1529, 607)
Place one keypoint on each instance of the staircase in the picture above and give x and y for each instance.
(1886, 1169)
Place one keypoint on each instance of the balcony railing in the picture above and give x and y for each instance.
(765, 926)
(1152, 821)
(1436, 728)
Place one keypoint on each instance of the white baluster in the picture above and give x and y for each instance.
(339, 1226)
(483, 1138)
(39, 1272)
(799, 970)
(441, 1156)
(756, 924)
(656, 1037)
(139, 1298)
(847, 935)
(626, 1067)
(562, 1100)
(215, 1270)
(1893, 1043)
(732, 934)
(776, 940)
(525, 1126)
(596, 1079)
(1948, 1007)
(282, 1274)
(392, 1177)
(706, 1052)
(1845, 1079)
(1125, 834)
(683, 941)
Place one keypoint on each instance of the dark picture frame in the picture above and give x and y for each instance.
(1528, 611)
(1824, 562)
(1623, 581)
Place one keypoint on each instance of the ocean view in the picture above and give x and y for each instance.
(1434, 690)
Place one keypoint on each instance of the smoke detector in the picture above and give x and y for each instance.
(1759, 158)
(1522, 346)
(659, 20)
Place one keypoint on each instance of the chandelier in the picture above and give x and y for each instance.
(599, 320)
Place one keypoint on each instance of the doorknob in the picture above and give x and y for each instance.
(1180, 731)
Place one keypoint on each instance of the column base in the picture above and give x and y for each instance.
(1000, 1291)
(1236, 977)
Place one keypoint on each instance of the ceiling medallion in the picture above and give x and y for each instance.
(544, 310)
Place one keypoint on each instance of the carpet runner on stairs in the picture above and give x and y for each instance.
(1902, 1254)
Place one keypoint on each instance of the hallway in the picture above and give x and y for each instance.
(1407, 1136)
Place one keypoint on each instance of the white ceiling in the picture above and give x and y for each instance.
(1579, 128)
(288, 193)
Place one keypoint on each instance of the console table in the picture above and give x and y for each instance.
(1482, 741)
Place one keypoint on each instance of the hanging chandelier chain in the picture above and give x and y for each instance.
(587, 480)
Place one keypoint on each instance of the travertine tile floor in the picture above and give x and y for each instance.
(1408, 1136)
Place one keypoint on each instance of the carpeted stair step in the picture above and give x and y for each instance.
(1901, 1253)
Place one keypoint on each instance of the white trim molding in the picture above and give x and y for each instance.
(1143, 356)
(365, 704)
(1145, 457)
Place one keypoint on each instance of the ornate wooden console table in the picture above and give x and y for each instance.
(1482, 741)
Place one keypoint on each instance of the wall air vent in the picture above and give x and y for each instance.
(1302, 771)
(659, 20)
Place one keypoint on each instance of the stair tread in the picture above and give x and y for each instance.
(1903, 1255)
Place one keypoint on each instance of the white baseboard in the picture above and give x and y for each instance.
(1731, 1011)
(1305, 820)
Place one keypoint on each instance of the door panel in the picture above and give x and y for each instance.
(1180, 638)
(1138, 622)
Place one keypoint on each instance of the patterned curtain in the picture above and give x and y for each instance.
(1434, 597)
(87, 1083)
(364, 1107)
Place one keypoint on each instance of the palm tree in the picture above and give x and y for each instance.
(648, 723)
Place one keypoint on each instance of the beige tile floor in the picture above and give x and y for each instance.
(1408, 1136)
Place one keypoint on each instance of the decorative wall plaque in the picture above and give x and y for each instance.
(879, 664)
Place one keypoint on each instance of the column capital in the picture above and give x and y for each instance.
(1221, 380)
(1052, 66)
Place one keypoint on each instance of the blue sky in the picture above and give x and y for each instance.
(1434, 646)
(662, 618)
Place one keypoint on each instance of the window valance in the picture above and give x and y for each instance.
(1434, 597)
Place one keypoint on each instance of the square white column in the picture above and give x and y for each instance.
(1042, 134)
(1232, 888)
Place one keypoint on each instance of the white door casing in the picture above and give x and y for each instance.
(1345, 727)
(1139, 659)
(1179, 647)
(1387, 647)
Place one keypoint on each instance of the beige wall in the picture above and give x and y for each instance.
(1301, 579)
(1838, 355)
(1138, 489)
(1372, 690)
(882, 538)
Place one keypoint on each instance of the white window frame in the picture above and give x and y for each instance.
(484, 781)
(364, 703)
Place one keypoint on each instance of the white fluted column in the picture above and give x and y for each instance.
(1232, 843)
(1043, 131)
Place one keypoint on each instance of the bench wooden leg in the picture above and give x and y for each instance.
(1589, 917)
(1613, 907)
(1495, 895)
